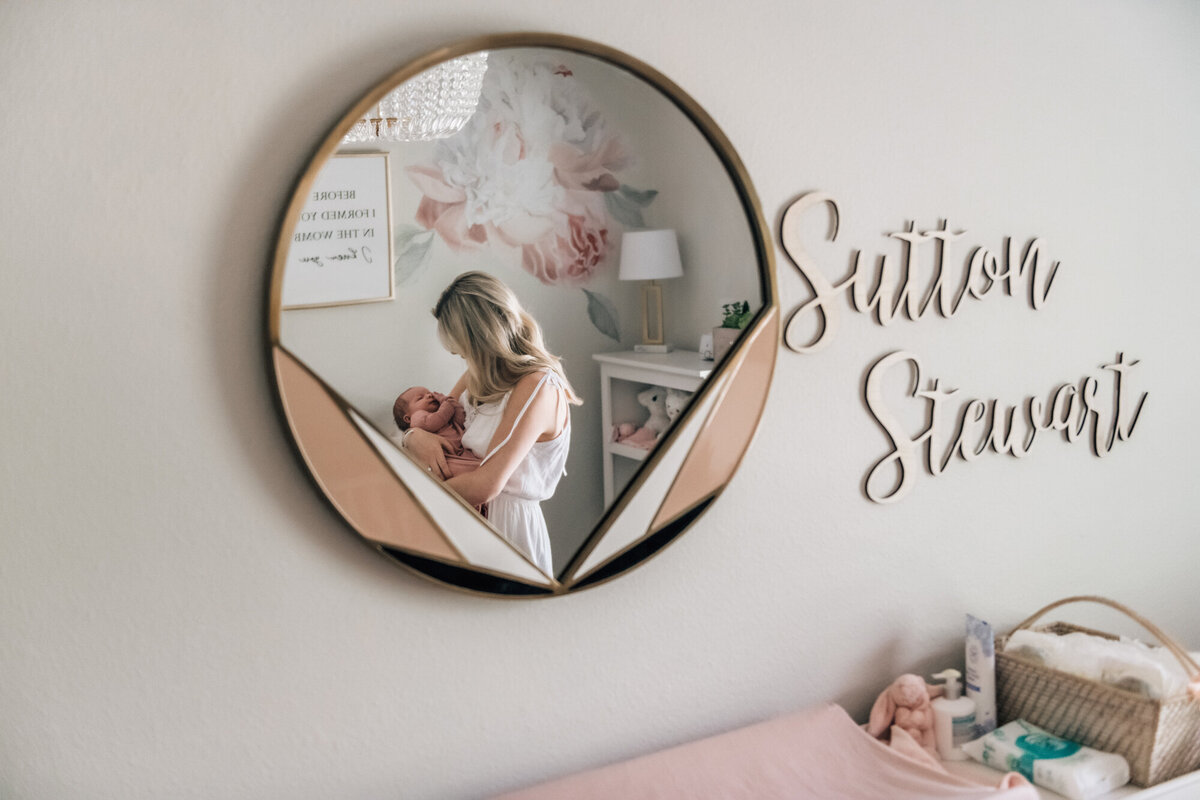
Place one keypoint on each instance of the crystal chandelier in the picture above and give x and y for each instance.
(433, 105)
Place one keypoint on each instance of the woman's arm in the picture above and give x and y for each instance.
(541, 419)
(459, 387)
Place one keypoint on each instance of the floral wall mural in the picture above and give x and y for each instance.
(534, 174)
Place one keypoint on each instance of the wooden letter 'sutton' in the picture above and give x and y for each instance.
(911, 284)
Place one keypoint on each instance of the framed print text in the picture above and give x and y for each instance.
(341, 248)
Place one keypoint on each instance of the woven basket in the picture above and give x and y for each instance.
(1159, 738)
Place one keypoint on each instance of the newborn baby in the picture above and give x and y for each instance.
(440, 414)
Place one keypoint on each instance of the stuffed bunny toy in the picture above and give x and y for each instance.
(676, 400)
(655, 400)
(906, 704)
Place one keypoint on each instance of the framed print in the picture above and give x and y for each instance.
(341, 249)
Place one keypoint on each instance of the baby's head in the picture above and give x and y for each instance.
(418, 398)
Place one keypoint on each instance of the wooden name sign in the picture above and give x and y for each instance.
(1076, 410)
(899, 287)
(896, 286)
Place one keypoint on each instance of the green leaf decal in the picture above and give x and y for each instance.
(626, 204)
(412, 251)
(624, 210)
(639, 197)
(603, 315)
(405, 234)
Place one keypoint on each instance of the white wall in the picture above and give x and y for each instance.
(182, 615)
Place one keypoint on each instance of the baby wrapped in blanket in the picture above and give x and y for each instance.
(440, 414)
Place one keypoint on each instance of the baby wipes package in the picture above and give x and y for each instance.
(1068, 768)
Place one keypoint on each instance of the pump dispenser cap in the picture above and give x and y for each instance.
(953, 687)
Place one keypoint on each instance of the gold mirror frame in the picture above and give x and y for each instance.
(705, 446)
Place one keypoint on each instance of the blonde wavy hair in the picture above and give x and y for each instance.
(481, 319)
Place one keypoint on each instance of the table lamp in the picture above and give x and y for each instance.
(651, 256)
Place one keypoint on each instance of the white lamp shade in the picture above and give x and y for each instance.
(650, 256)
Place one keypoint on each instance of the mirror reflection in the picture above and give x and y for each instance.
(590, 219)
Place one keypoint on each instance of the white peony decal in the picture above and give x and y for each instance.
(533, 171)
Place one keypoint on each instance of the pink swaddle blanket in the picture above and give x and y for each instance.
(819, 753)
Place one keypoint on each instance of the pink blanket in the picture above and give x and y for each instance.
(818, 753)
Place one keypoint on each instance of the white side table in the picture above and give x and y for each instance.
(622, 376)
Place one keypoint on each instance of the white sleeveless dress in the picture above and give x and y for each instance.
(516, 512)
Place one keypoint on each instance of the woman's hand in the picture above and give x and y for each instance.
(429, 450)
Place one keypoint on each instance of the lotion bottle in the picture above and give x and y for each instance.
(953, 718)
(981, 674)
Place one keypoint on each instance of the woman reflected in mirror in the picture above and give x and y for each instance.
(517, 407)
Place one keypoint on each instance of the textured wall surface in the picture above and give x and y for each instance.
(183, 616)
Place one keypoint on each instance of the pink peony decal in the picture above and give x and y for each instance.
(567, 258)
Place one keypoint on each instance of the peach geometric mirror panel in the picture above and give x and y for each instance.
(633, 522)
(478, 543)
(728, 429)
(352, 474)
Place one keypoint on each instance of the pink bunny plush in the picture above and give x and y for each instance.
(906, 704)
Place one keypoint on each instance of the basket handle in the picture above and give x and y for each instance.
(1177, 650)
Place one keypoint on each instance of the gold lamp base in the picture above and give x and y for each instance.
(652, 321)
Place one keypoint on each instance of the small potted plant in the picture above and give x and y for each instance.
(734, 318)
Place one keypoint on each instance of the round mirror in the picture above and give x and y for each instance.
(620, 220)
